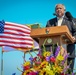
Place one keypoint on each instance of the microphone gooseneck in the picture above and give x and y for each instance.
(54, 14)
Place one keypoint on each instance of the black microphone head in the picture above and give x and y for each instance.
(54, 14)
(69, 15)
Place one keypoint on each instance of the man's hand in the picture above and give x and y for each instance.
(74, 38)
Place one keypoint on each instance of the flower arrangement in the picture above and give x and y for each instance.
(47, 63)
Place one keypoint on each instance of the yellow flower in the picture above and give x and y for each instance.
(46, 53)
(60, 57)
(26, 63)
(48, 70)
(43, 64)
(57, 69)
(41, 72)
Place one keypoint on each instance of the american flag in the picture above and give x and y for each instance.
(15, 35)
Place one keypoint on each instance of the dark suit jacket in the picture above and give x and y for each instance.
(71, 26)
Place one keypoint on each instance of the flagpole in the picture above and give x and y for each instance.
(24, 57)
(1, 62)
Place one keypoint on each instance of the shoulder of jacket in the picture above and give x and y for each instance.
(52, 19)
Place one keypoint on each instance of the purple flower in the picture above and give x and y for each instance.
(73, 74)
(47, 58)
(31, 59)
(65, 58)
(57, 51)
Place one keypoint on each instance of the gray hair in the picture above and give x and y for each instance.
(60, 4)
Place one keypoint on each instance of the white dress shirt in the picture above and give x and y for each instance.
(60, 20)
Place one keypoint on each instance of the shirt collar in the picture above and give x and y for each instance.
(60, 17)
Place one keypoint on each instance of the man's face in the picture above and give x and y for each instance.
(59, 10)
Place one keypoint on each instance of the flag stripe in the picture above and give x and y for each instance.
(17, 25)
(16, 38)
(16, 29)
(7, 35)
(18, 46)
(16, 41)
(15, 35)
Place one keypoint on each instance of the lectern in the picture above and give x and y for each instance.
(57, 34)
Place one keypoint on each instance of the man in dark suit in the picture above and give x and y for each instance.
(62, 19)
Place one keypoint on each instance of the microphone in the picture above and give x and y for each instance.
(54, 14)
(70, 17)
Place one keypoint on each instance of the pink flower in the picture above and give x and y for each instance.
(32, 73)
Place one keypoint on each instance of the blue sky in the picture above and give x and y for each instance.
(27, 12)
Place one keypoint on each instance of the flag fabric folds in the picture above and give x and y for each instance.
(15, 35)
(8, 49)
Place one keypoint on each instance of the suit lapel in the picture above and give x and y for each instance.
(56, 23)
(64, 21)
